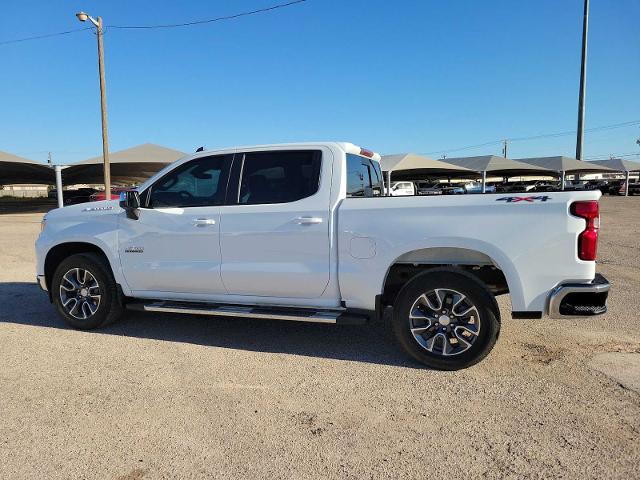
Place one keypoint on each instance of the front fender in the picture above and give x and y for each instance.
(100, 232)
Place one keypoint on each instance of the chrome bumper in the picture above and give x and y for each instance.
(572, 300)
(42, 282)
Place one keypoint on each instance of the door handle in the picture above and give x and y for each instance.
(308, 220)
(203, 222)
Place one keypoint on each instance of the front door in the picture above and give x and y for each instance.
(275, 227)
(174, 245)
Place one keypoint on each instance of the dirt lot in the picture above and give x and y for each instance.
(161, 396)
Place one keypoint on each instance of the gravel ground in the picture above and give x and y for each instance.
(163, 396)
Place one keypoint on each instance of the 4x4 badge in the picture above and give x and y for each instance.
(541, 198)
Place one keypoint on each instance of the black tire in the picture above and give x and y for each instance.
(109, 308)
(477, 295)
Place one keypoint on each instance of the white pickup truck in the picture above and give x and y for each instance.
(304, 232)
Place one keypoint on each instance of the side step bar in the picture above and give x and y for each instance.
(245, 311)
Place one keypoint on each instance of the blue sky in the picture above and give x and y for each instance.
(406, 75)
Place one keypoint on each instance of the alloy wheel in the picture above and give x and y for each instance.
(80, 293)
(444, 322)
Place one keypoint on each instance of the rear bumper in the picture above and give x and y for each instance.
(579, 299)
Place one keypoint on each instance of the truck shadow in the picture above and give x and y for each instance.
(23, 206)
(24, 304)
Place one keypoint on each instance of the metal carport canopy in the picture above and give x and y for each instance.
(619, 165)
(561, 164)
(133, 165)
(499, 166)
(410, 166)
(18, 170)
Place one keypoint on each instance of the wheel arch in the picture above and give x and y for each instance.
(59, 252)
(489, 266)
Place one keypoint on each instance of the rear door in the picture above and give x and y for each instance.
(275, 227)
(174, 245)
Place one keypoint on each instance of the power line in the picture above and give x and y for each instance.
(614, 155)
(210, 20)
(535, 137)
(595, 129)
(48, 35)
(146, 27)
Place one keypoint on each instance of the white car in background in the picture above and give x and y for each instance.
(401, 189)
(303, 232)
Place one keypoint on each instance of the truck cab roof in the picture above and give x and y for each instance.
(345, 146)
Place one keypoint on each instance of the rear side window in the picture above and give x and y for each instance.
(279, 177)
(197, 183)
(364, 178)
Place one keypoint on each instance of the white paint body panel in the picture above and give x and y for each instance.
(259, 254)
(279, 250)
(95, 223)
(534, 244)
(180, 250)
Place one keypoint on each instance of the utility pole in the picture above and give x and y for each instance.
(504, 148)
(97, 22)
(583, 81)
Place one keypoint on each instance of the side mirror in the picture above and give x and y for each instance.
(130, 203)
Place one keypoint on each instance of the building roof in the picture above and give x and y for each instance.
(18, 170)
(564, 164)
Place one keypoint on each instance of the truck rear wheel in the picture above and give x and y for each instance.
(85, 292)
(446, 319)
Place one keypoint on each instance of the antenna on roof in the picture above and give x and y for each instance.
(199, 149)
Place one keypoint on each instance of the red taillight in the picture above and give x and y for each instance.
(366, 153)
(588, 239)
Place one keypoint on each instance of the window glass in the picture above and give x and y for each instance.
(195, 184)
(364, 178)
(279, 177)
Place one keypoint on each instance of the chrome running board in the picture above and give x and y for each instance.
(244, 311)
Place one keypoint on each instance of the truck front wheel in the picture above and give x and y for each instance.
(446, 319)
(85, 292)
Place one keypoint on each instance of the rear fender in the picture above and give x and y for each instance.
(461, 251)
